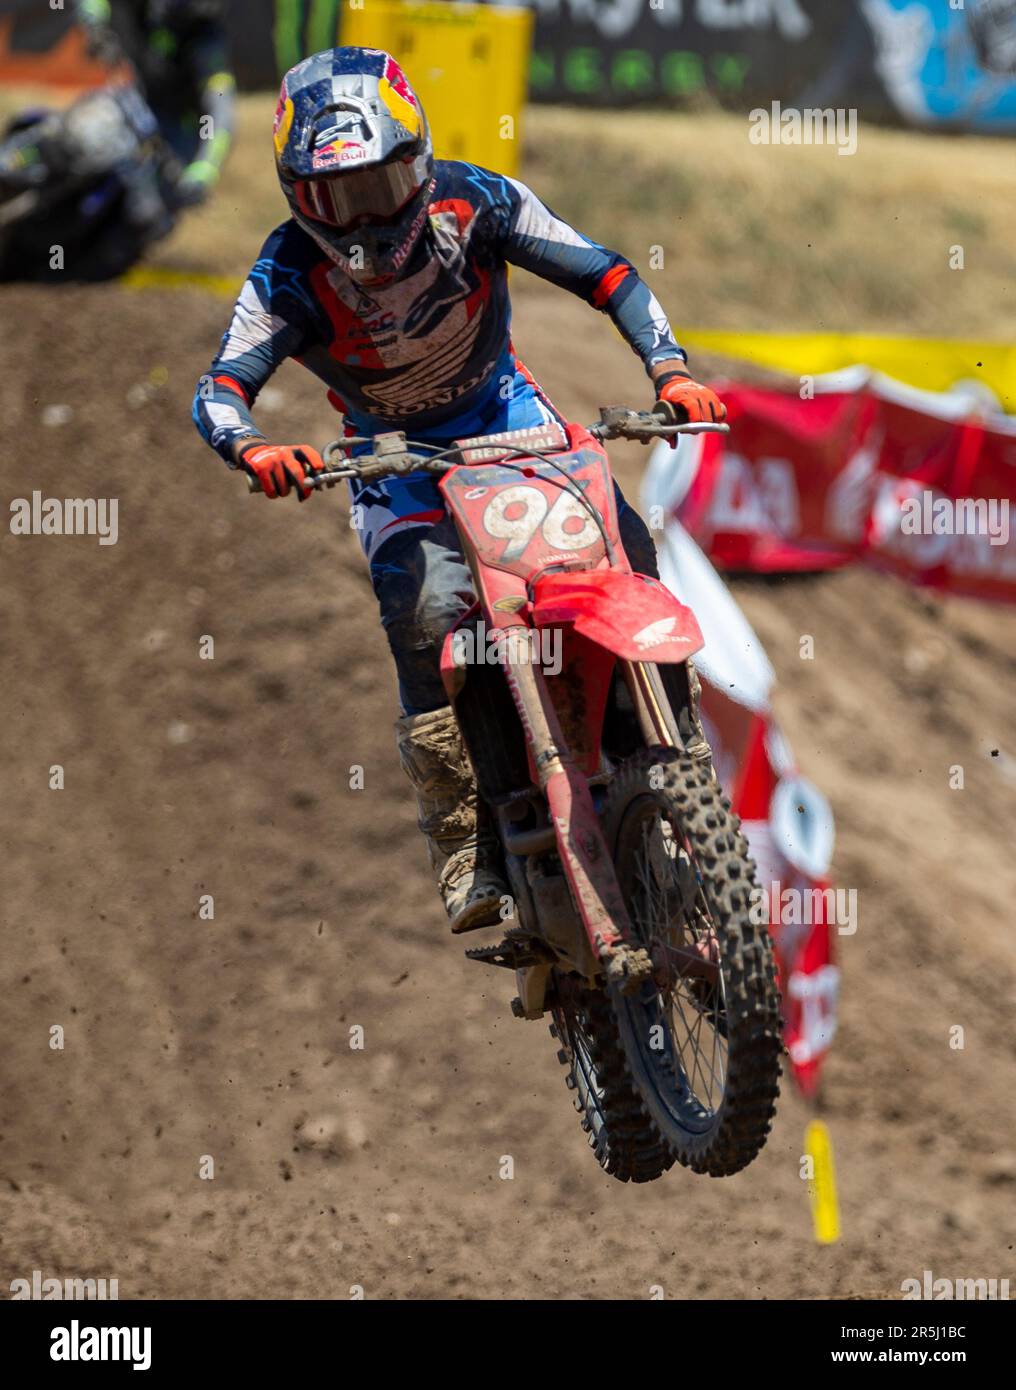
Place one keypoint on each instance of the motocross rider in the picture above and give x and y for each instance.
(389, 282)
(180, 57)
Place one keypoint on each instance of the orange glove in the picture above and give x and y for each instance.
(688, 401)
(277, 466)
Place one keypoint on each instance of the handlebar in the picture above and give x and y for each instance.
(618, 422)
(394, 454)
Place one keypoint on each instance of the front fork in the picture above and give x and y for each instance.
(658, 719)
(584, 857)
(655, 716)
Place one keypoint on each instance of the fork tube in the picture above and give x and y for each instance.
(656, 728)
(536, 710)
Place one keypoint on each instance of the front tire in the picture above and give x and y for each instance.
(702, 1049)
(621, 1134)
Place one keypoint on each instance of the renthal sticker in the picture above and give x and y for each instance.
(475, 493)
(538, 438)
(515, 513)
(655, 634)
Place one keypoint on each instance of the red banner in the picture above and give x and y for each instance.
(898, 478)
(798, 901)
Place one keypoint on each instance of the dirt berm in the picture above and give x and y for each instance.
(186, 1037)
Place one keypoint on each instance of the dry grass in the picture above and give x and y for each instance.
(793, 238)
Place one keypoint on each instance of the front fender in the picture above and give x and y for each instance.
(631, 615)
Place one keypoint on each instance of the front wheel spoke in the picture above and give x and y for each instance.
(713, 1020)
(712, 1065)
(693, 1035)
(691, 1040)
(700, 1060)
(662, 914)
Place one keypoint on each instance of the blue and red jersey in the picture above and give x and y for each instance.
(433, 347)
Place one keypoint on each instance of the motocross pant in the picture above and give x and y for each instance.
(422, 582)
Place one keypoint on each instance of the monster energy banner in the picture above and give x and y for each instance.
(739, 51)
(923, 61)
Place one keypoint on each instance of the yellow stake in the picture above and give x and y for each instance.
(825, 1208)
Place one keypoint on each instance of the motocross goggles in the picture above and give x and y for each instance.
(362, 195)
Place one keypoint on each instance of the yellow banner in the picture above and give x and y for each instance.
(928, 363)
(467, 63)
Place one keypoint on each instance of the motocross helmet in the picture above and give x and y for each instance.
(354, 158)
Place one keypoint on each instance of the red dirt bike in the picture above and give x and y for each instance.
(630, 880)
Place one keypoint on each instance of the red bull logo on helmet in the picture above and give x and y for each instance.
(338, 152)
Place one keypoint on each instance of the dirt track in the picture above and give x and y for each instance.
(230, 777)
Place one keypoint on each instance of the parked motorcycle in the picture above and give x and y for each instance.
(630, 878)
(85, 190)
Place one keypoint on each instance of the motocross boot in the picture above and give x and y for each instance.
(464, 852)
